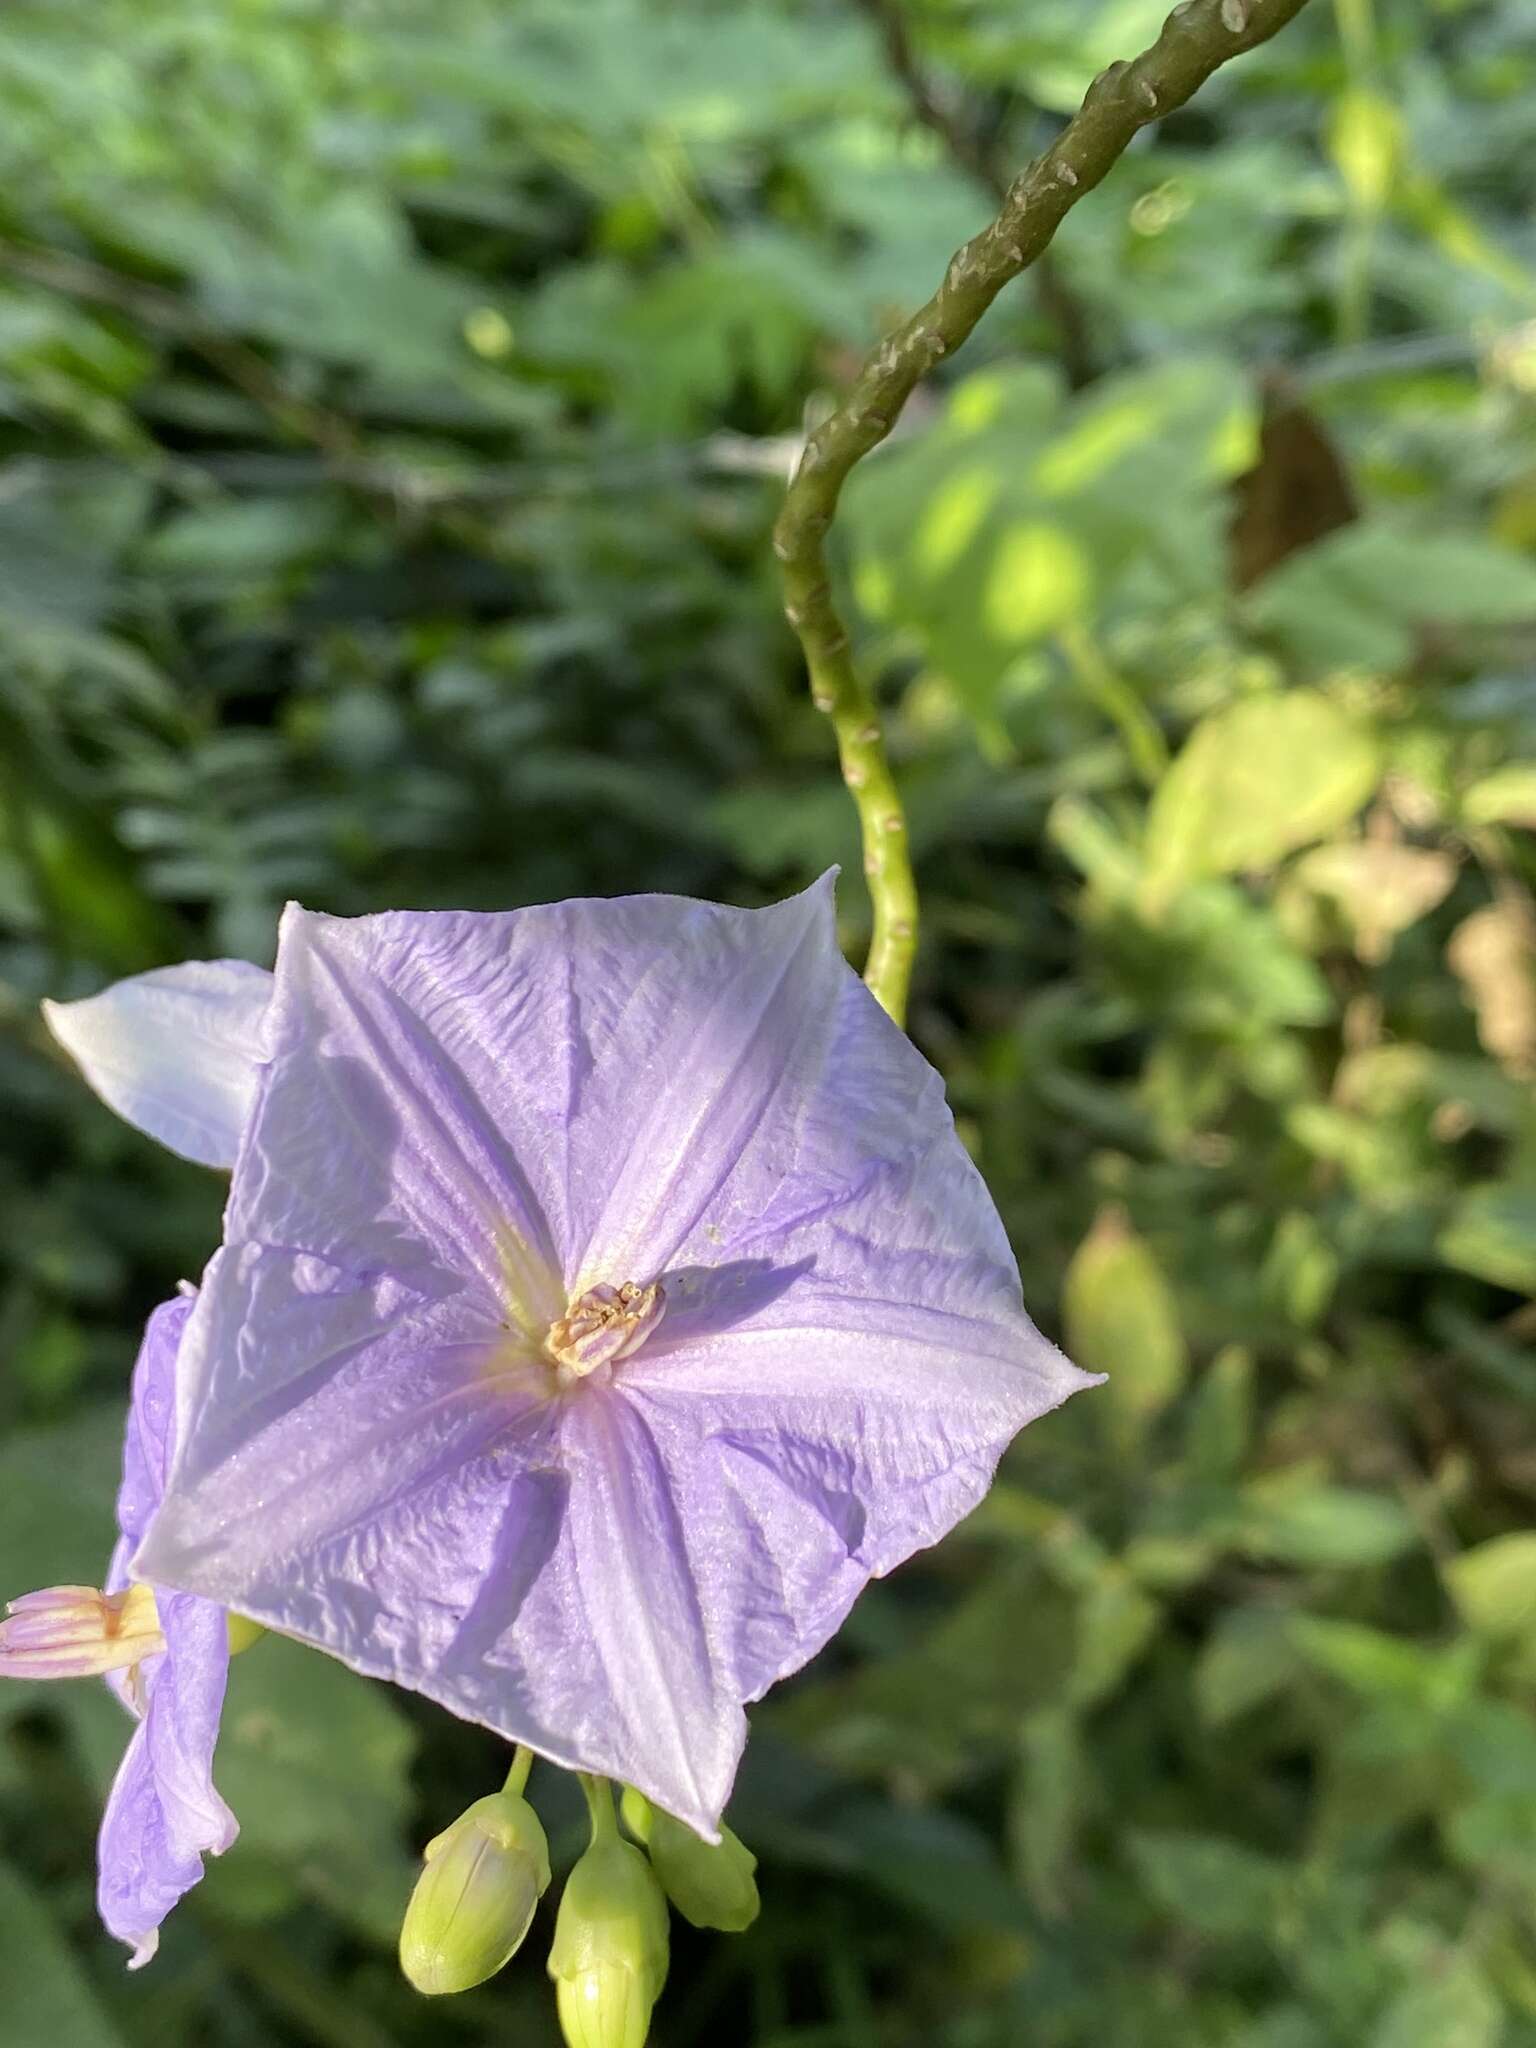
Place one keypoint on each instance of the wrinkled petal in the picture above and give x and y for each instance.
(426, 1510)
(652, 1699)
(466, 1126)
(174, 1052)
(324, 1466)
(378, 1140)
(537, 1093)
(163, 1814)
(822, 1459)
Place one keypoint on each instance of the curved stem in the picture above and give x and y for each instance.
(599, 1796)
(1197, 37)
(522, 1764)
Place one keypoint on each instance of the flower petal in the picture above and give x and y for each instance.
(553, 1092)
(651, 1700)
(464, 1123)
(376, 1140)
(174, 1052)
(822, 1458)
(151, 1419)
(423, 1508)
(163, 1814)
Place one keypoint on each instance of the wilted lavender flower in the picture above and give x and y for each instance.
(166, 1656)
(606, 1297)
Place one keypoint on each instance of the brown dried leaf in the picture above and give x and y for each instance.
(1493, 954)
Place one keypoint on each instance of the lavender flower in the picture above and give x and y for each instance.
(166, 1656)
(606, 1297)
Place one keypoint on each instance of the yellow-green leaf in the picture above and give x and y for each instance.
(1494, 1585)
(1253, 782)
(1122, 1319)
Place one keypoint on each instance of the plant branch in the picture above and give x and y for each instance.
(979, 163)
(76, 277)
(1197, 38)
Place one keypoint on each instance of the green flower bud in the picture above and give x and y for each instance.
(482, 1879)
(710, 1883)
(242, 1632)
(609, 1960)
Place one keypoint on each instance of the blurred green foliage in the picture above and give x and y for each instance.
(393, 404)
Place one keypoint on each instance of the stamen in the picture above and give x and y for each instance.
(78, 1632)
(602, 1326)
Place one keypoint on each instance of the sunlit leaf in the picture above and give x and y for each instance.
(1252, 782)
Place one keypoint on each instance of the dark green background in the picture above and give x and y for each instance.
(394, 401)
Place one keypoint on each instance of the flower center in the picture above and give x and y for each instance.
(604, 1324)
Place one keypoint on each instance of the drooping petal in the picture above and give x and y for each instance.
(151, 1422)
(174, 1052)
(163, 1814)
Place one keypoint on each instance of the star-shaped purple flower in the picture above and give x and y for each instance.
(606, 1297)
(165, 1654)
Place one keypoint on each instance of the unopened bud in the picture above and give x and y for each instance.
(609, 1960)
(476, 1895)
(710, 1883)
(242, 1632)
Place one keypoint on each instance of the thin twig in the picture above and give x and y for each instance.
(162, 311)
(1198, 36)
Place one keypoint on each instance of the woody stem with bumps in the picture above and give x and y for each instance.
(1197, 38)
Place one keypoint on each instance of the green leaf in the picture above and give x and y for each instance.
(49, 2001)
(1459, 2009)
(1309, 1524)
(1492, 1233)
(1506, 797)
(1116, 1623)
(1494, 1585)
(1122, 1319)
(247, 537)
(1301, 1268)
(1386, 1667)
(932, 1861)
(1209, 1883)
(1361, 597)
(1048, 1803)
(1249, 1658)
(1221, 1415)
(62, 528)
(1253, 782)
(314, 1762)
(58, 1488)
(1021, 514)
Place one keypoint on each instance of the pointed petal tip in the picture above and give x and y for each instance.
(174, 1052)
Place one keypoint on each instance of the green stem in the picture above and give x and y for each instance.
(1119, 703)
(522, 1764)
(1199, 36)
(1356, 21)
(599, 1795)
